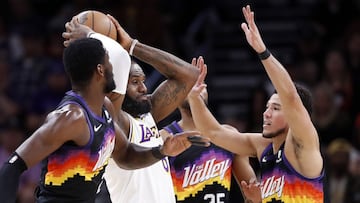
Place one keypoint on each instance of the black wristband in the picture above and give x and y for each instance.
(9, 175)
(17, 162)
(264, 55)
(155, 151)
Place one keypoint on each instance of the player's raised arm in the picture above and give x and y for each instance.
(302, 144)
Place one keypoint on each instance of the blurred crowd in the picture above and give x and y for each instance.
(32, 79)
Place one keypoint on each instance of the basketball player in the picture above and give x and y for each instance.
(291, 165)
(143, 112)
(77, 139)
(203, 174)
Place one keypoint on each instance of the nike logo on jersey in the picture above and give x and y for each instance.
(96, 128)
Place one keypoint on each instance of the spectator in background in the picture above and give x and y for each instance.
(20, 16)
(48, 96)
(4, 42)
(355, 153)
(55, 82)
(337, 74)
(327, 116)
(352, 46)
(309, 45)
(344, 187)
(326, 12)
(8, 108)
(29, 72)
(309, 72)
(11, 136)
(352, 54)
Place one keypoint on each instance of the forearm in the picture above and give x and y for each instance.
(242, 170)
(280, 78)
(137, 157)
(167, 64)
(220, 135)
(204, 121)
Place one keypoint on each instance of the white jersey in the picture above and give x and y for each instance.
(150, 184)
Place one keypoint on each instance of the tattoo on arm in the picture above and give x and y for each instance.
(161, 60)
(170, 93)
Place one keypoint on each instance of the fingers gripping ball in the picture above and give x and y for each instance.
(98, 22)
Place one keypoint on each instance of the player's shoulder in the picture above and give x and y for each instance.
(69, 113)
(68, 123)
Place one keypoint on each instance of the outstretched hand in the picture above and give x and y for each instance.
(251, 31)
(178, 143)
(75, 30)
(199, 85)
(251, 190)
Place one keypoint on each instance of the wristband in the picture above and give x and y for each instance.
(264, 55)
(133, 43)
(89, 34)
(9, 175)
(155, 151)
(17, 162)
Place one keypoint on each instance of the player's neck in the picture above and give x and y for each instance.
(93, 100)
(278, 141)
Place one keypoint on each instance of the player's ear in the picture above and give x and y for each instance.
(100, 69)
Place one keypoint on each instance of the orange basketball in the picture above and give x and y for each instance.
(98, 22)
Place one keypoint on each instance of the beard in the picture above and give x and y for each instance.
(274, 134)
(110, 83)
(136, 108)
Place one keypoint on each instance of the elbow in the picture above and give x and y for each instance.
(290, 96)
(124, 164)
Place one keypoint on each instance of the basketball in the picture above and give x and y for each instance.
(98, 22)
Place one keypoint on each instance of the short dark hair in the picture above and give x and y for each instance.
(81, 58)
(305, 96)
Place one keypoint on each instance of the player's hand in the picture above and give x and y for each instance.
(122, 36)
(199, 85)
(75, 30)
(178, 143)
(251, 31)
(251, 190)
